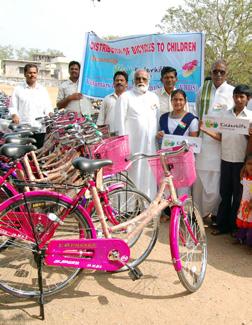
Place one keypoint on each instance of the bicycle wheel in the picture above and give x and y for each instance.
(191, 245)
(18, 268)
(126, 205)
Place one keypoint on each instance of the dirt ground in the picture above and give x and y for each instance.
(158, 298)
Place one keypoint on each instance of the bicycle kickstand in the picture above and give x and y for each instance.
(39, 259)
(134, 272)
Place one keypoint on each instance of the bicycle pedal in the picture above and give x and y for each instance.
(135, 273)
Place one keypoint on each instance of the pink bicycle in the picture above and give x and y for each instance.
(52, 237)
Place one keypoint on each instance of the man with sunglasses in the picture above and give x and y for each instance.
(214, 97)
(137, 112)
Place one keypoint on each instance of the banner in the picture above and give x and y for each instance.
(170, 141)
(101, 59)
(221, 125)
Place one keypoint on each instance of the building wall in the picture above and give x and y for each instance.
(13, 69)
(54, 69)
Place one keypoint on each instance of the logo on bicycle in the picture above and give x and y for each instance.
(124, 258)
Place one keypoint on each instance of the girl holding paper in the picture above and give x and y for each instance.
(179, 121)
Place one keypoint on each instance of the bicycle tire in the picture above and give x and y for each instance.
(193, 257)
(17, 265)
(127, 204)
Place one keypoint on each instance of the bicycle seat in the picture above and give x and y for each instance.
(20, 140)
(15, 151)
(21, 134)
(13, 126)
(20, 127)
(42, 118)
(90, 165)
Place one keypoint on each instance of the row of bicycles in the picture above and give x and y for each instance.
(70, 205)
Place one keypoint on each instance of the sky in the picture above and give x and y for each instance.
(61, 24)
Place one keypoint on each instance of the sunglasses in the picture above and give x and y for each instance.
(222, 72)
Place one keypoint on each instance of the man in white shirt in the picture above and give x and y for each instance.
(233, 151)
(137, 116)
(214, 97)
(249, 106)
(68, 96)
(29, 101)
(168, 79)
(107, 114)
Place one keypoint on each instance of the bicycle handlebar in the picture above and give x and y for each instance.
(184, 147)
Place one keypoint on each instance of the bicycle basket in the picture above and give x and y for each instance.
(116, 149)
(182, 168)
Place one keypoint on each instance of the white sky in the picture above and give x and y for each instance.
(61, 24)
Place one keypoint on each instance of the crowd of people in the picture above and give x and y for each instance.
(223, 189)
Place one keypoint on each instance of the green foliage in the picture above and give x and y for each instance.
(6, 52)
(52, 52)
(9, 52)
(227, 25)
(21, 54)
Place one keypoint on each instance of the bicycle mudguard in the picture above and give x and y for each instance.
(173, 234)
(105, 254)
(116, 186)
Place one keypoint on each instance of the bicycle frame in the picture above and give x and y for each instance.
(108, 254)
(25, 231)
(141, 220)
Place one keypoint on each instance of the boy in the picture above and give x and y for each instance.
(233, 151)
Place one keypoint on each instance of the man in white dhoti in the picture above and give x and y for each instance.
(137, 112)
(213, 99)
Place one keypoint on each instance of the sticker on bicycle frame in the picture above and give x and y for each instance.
(170, 141)
(38, 205)
(99, 179)
(87, 194)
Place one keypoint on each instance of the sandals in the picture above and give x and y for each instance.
(216, 232)
(164, 219)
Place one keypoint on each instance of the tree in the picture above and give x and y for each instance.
(34, 51)
(54, 52)
(227, 25)
(21, 53)
(6, 52)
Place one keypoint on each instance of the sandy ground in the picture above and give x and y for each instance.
(158, 298)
